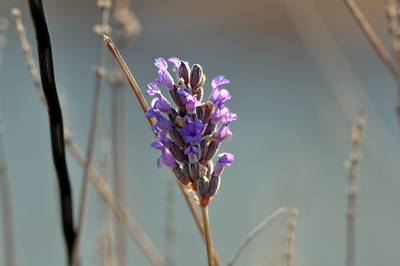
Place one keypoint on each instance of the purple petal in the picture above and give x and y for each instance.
(168, 159)
(153, 89)
(165, 79)
(224, 133)
(176, 62)
(163, 124)
(219, 81)
(160, 63)
(224, 159)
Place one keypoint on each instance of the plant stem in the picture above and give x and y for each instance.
(255, 232)
(207, 233)
(378, 46)
(8, 230)
(55, 121)
(137, 234)
(352, 164)
(99, 73)
(145, 107)
(119, 210)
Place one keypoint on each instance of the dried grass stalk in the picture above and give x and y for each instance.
(99, 73)
(254, 233)
(119, 210)
(352, 163)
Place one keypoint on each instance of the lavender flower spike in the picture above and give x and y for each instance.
(190, 132)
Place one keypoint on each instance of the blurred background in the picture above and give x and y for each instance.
(299, 70)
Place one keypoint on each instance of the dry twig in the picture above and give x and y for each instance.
(255, 232)
(99, 73)
(352, 163)
(288, 254)
(118, 209)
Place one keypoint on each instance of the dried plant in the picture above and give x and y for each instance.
(106, 252)
(170, 224)
(56, 122)
(128, 27)
(254, 233)
(352, 164)
(99, 73)
(384, 55)
(4, 23)
(288, 253)
(101, 185)
(7, 214)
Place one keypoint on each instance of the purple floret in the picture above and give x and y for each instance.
(191, 133)
(224, 159)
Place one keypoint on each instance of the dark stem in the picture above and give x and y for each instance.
(56, 121)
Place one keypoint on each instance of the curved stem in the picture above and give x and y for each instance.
(56, 121)
(255, 232)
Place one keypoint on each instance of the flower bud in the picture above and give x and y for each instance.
(196, 77)
(184, 179)
(213, 186)
(184, 72)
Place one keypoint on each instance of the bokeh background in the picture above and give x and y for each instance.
(300, 70)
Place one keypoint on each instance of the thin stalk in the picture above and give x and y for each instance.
(254, 233)
(207, 233)
(371, 36)
(137, 234)
(27, 51)
(378, 46)
(170, 224)
(288, 254)
(352, 164)
(106, 253)
(8, 230)
(55, 120)
(117, 135)
(119, 210)
(127, 28)
(99, 73)
(145, 107)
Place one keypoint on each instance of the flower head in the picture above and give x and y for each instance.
(190, 132)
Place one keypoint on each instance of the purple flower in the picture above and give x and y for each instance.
(162, 123)
(189, 100)
(162, 142)
(164, 77)
(176, 62)
(219, 81)
(192, 152)
(160, 63)
(159, 102)
(191, 133)
(153, 89)
(224, 159)
(227, 116)
(220, 96)
(167, 158)
(223, 133)
(191, 149)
